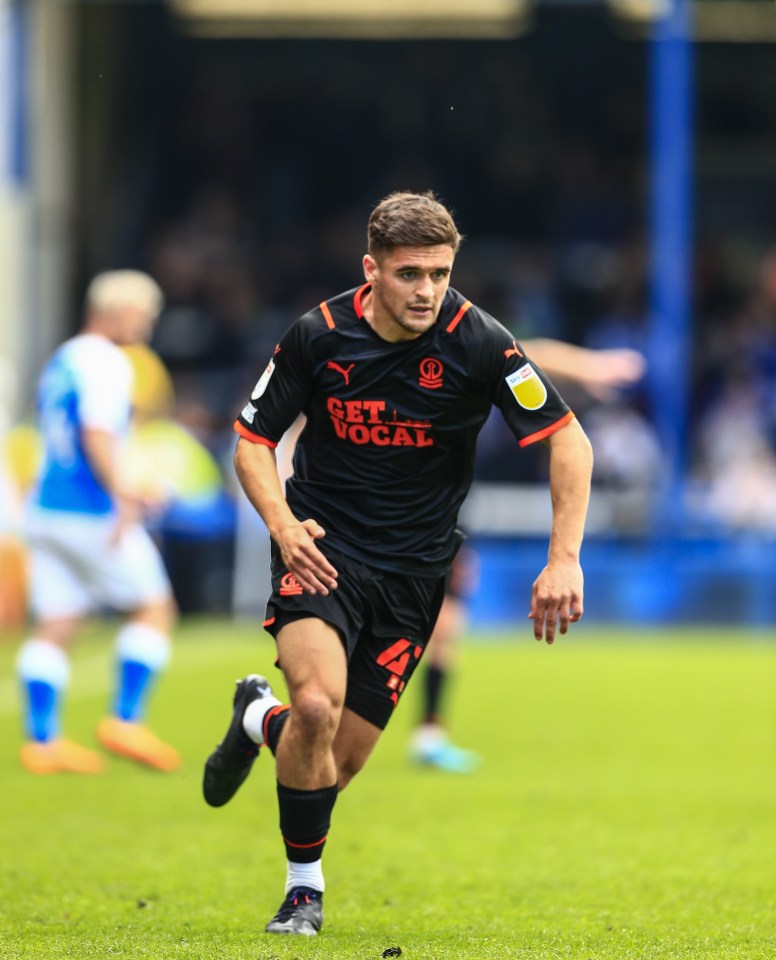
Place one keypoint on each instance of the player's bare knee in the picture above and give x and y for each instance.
(59, 632)
(316, 713)
(162, 615)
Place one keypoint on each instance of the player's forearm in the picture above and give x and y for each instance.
(571, 465)
(555, 357)
(257, 472)
(100, 448)
(601, 372)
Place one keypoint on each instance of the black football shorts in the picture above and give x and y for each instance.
(384, 620)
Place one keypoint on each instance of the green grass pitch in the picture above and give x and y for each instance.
(625, 808)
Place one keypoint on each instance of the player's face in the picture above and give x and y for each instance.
(408, 286)
(131, 324)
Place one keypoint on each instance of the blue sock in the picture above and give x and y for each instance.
(142, 652)
(42, 717)
(135, 682)
(43, 672)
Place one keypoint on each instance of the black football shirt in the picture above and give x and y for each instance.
(387, 455)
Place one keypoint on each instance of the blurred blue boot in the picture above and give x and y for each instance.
(431, 747)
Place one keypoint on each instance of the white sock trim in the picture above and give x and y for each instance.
(43, 661)
(305, 875)
(253, 718)
(144, 644)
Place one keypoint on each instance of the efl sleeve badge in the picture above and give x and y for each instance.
(527, 388)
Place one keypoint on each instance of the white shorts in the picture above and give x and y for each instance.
(76, 570)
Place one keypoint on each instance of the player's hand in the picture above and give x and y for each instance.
(129, 512)
(556, 599)
(132, 507)
(302, 557)
(606, 373)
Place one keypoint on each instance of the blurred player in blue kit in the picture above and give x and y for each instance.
(87, 546)
(396, 378)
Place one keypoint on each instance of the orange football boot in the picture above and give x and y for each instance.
(136, 742)
(59, 756)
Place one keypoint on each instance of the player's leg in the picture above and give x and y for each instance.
(142, 652)
(257, 718)
(439, 658)
(58, 603)
(356, 739)
(314, 664)
(135, 580)
(314, 635)
(430, 744)
(305, 814)
(301, 736)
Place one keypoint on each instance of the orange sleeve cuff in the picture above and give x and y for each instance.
(246, 434)
(541, 434)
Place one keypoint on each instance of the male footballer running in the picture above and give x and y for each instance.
(396, 378)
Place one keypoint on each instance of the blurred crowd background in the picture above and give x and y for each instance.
(240, 172)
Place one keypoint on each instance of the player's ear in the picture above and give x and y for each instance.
(370, 267)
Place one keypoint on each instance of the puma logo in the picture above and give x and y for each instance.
(513, 350)
(345, 372)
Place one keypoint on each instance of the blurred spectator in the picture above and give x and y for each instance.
(736, 462)
(734, 455)
(628, 463)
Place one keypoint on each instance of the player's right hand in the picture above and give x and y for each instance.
(128, 514)
(302, 557)
(556, 599)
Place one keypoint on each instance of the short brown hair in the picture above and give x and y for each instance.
(406, 219)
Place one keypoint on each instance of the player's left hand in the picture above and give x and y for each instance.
(556, 599)
(606, 373)
(131, 507)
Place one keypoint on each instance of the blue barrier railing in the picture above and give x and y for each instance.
(670, 580)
